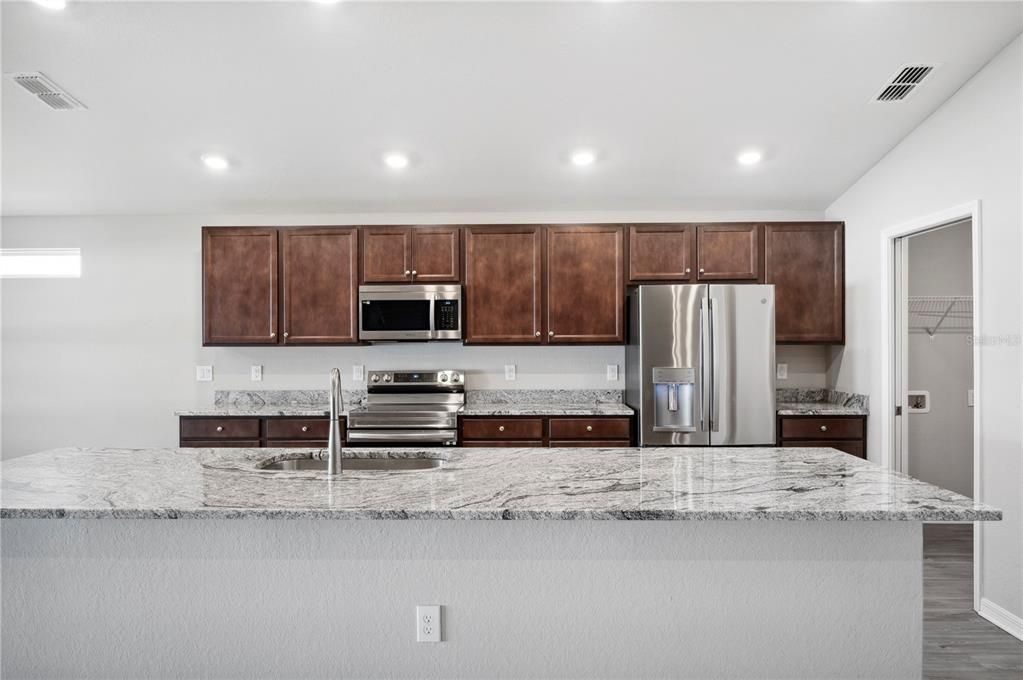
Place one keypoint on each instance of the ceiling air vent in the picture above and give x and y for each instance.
(47, 91)
(905, 82)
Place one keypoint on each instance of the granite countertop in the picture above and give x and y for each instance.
(546, 410)
(798, 408)
(479, 483)
(309, 411)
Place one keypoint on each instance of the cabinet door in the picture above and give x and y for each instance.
(387, 255)
(320, 283)
(585, 284)
(660, 252)
(805, 262)
(436, 254)
(239, 286)
(728, 252)
(503, 284)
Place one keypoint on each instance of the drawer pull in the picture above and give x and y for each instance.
(500, 428)
(824, 428)
(220, 428)
(305, 428)
(589, 428)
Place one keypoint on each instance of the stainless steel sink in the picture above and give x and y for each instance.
(360, 464)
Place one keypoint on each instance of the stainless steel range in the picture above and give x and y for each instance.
(409, 408)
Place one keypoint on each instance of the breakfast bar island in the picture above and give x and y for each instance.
(547, 562)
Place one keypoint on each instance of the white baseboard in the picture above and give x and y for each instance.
(1001, 617)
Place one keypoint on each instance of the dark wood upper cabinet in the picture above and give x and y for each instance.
(728, 252)
(239, 286)
(503, 284)
(411, 254)
(319, 283)
(387, 255)
(660, 252)
(585, 277)
(805, 262)
(437, 254)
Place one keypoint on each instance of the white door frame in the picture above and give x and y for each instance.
(889, 337)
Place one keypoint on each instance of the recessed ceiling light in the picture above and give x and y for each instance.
(215, 162)
(396, 160)
(51, 4)
(582, 158)
(751, 157)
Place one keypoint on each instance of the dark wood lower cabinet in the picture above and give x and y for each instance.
(543, 431)
(845, 433)
(253, 432)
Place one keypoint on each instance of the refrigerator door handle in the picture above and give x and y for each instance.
(715, 369)
(705, 344)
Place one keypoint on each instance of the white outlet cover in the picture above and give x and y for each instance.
(509, 371)
(358, 373)
(612, 371)
(428, 623)
(782, 372)
(204, 373)
(255, 373)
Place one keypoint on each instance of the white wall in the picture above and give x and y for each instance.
(941, 440)
(114, 353)
(969, 149)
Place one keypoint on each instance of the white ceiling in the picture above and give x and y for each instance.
(488, 97)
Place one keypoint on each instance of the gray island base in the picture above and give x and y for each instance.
(779, 563)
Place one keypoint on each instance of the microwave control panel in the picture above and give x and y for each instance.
(445, 314)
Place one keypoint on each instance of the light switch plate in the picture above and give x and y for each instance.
(255, 373)
(428, 623)
(782, 372)
(204, 373)
(358, 373)
(612, 371)
(509, 371)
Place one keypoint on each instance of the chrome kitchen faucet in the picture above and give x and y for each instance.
(337, 405)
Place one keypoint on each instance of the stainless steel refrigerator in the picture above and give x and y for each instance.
(699, 364)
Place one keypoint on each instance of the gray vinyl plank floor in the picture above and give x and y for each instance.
(959, 644)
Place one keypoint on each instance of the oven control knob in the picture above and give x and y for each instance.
(443, 377)
(387, 377)
(455, 377)
(375, 378)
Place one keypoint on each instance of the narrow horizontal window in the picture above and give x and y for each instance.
(40, 263)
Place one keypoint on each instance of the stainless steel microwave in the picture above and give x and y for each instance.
(412, 312)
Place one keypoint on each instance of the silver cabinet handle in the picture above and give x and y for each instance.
(500, 428)
(538, 334)
(285, 333)
(589, 428)
(550, 333)
(688, 270)
(414, 272)
(824, 428)
(407, 272)
(701, 270)
(305, 428)
(273, 335)
(220, 428)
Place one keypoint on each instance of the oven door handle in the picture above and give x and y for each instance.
(402, 435)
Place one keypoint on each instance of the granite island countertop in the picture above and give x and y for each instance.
(479, 483)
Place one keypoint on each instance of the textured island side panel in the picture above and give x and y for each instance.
(252, 599)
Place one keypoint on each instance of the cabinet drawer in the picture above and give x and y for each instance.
(593, 443)
(853, 447)
(297, 428)
(220, 428)
(503, 428)
(589, 428)
(820, 428)
(220, 444)
(497, 443)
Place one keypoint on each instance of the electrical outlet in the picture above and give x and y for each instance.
(428, 623)
(782, 372)
(204, 373)
(255, 373)
(509, 371)
(612, 371)
(358, 373)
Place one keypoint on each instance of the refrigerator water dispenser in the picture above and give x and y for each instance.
(674, 399)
